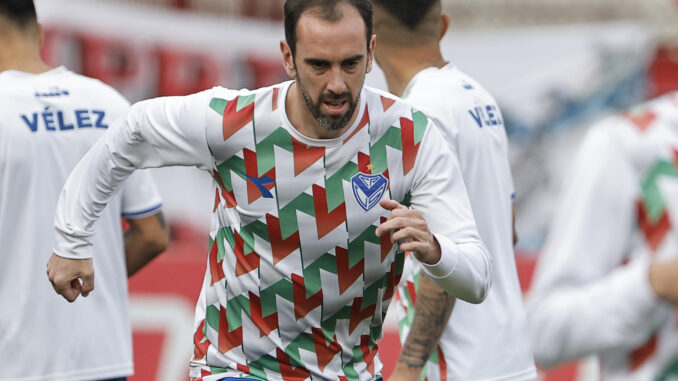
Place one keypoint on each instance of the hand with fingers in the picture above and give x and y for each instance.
(66, 275)
(410, 231)
(663, 277)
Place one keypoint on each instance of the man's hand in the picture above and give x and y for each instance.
(410, 229)
(65, 275)
(663, 277)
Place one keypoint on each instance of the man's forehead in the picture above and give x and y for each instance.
(314, 27)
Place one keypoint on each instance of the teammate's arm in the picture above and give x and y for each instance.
(583, 301)
(431, 314)
(145, 238)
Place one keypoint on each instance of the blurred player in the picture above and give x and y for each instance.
(490, 340)
(49, 118)
(607, 280)
(310, 177)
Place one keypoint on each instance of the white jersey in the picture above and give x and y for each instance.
(488, 341)
(297, 283)
(591, 293)
(47, 123)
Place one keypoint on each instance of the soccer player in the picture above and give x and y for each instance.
(606, 281)
(49, 118)
(443, 339)
(309, 226)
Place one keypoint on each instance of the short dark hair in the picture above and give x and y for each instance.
(408, 12)
(327, 10)
(21, 12)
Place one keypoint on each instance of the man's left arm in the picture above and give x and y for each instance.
(439, 228)
(432, 311)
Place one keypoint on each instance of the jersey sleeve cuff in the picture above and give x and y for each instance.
(72, 247)
(644, 297)
(449, 257)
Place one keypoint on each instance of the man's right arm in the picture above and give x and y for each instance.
(154, 133)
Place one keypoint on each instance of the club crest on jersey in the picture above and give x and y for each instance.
(368, 189)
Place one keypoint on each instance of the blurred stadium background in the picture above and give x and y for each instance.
(555, 66)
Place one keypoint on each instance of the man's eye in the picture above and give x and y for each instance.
(318, 65)
(351, 64)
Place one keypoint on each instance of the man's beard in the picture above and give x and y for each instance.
(327, 122)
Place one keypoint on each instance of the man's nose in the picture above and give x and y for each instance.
(336, 83)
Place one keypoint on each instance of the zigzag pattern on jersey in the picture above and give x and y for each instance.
(653, 218)
(327, 205)
(306, 294)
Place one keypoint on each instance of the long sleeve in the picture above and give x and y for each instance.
(583, 300)
(465, 267)
(154, 133)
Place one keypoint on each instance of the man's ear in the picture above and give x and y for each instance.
(370, 52)
(444, 24)
(288, 59)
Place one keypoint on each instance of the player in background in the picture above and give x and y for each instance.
(49, 118)
(310, 178)
(476, 342)
(606, 283)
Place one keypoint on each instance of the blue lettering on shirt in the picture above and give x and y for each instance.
(48, 118)
(54, 91)
(33, 123)
(62, 125)
(82, 118)
(100, 117)
(486, 116)
(51, 120)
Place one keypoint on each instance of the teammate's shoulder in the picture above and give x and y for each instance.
(643, 116)
(95, 89)
(619, 129)
(449, 85)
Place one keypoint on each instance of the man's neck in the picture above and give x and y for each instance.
(17, 54)
(302, 119)
(401, 64)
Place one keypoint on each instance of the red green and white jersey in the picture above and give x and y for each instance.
(297, 283)
(591, 294)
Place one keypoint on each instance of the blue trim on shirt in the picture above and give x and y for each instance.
(143, 213)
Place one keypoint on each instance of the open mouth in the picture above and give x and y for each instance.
(335, 106)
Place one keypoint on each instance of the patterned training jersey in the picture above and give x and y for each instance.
(48, 122)
(591, 293)
(473, 345)
(297, 283)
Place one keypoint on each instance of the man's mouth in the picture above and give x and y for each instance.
(335, 106)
